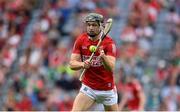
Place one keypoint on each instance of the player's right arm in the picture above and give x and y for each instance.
(76, 63)
(75, 60)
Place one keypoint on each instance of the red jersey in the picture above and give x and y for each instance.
(96, 77)
(132, 90)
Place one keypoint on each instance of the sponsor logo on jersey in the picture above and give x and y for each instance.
(84, 47)
(96, 62)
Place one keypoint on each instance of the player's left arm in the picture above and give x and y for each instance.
(108, 58)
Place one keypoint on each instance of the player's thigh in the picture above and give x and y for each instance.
(82, 102)
(110, 100)
(113, 107)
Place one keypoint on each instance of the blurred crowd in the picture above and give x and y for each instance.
(137, 47)
(43, 80)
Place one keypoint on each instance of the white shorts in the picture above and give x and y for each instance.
(105, 97)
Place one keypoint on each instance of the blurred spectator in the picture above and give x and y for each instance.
(133, 95)
(161, 73)
(173, 20)
(128, 33)
(170, 94)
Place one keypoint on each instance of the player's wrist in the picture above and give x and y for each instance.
(82, 65)
(102, 54)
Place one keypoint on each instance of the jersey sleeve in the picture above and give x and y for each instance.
(111, 49)
(77, 46)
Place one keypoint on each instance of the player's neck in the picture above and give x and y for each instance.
(95, 38)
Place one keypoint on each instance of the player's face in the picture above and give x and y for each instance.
(93, 29)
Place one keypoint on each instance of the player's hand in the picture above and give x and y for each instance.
(87, 64)
(101, 52)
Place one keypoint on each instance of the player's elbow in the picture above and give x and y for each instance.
(110, 67)
(111, 63)
(73, 68)
(71, 65)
